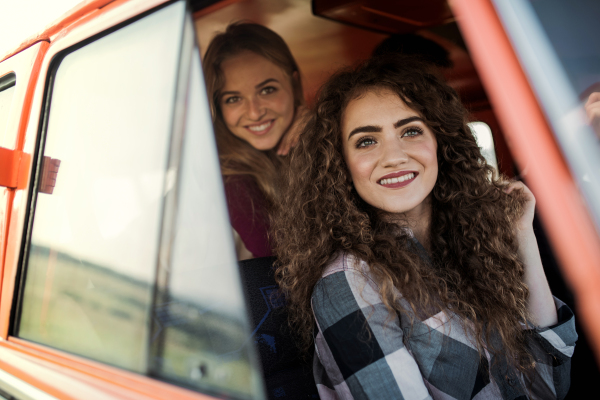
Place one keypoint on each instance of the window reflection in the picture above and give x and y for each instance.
(131, 259)
(201, 336)
(572, 30)
(92, 258)
(7, 90)
(556, 42)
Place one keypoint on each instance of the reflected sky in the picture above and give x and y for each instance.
(109, 125)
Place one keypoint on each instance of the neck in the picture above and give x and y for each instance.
(418, 220)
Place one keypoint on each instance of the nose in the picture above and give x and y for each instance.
(255, 109)
(394, 154)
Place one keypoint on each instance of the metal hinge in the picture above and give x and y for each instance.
(14, 168)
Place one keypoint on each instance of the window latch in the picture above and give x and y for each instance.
(48, 176)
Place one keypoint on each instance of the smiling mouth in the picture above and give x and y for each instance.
(260, 129)
(398, 181)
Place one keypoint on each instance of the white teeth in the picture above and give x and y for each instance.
(260, 127)
(402, 178)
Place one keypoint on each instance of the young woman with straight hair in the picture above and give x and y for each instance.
(257, 104)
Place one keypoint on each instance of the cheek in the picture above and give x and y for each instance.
(283, 104)
(432, 159)
(229, 116)
(431, 163)
(360, 169)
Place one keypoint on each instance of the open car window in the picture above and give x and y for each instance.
(557, 44)
(128, 258)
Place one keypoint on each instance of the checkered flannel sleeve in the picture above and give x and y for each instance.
(361, 354)
(552, 348)
(359, 347)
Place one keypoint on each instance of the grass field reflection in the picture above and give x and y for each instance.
(96, 312)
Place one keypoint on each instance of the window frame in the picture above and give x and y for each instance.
(25, 65)
(54, 65)
(569, 225)
(67, 375)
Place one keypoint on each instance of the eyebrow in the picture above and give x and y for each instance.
(223, 94)
(376, 128)
(263, 83)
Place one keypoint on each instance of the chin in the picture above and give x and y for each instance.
(264, 146)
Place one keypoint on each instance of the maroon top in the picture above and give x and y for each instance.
(248, 213)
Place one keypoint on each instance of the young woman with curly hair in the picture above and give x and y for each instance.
(410, 266)
(257, 102)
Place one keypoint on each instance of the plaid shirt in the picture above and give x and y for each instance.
(361, 351)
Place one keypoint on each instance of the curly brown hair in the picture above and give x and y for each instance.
(473, 248)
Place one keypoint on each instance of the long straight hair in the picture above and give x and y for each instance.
(238, 157)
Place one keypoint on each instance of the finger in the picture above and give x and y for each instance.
(594, 98)
(294, 141)
(301, 111)
(522, 188)
(282, 150)
(284, 146)
(593, 112)
(512, 186)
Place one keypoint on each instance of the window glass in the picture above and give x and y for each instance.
(7, 90)
(485, 140)
(557, 43)
(200, 335)
(90, 269)
(572, 28)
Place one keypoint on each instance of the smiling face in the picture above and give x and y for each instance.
(390, 153)
(257, 100)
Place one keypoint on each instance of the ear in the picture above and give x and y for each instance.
(295, 76)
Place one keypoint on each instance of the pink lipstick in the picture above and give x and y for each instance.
(398, 179)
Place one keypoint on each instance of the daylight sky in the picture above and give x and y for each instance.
(20, 19)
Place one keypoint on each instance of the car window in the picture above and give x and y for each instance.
(572, 29)
(200, 334)
(128, 259)
(485, 140)
(94, 240)
(557, 44)
(7, 90)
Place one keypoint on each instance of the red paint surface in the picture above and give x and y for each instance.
(569, 226)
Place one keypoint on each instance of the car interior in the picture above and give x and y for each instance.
(325, 35)
(190, 316)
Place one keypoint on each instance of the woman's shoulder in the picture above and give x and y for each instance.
(345, 289)
(248, 214)
(243, 195)
(345, 273)
(240, 182)
(345, 262)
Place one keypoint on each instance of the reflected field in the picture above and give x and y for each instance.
(93, 311)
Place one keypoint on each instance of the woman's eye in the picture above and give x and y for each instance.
(231, 100)
(410, 132)
(268, 90)
(365, 142)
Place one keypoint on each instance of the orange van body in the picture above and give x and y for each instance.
(515, 107)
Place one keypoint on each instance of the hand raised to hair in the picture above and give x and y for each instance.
(292, 135)
(526, 221)
(592, 109)
(540, 304)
